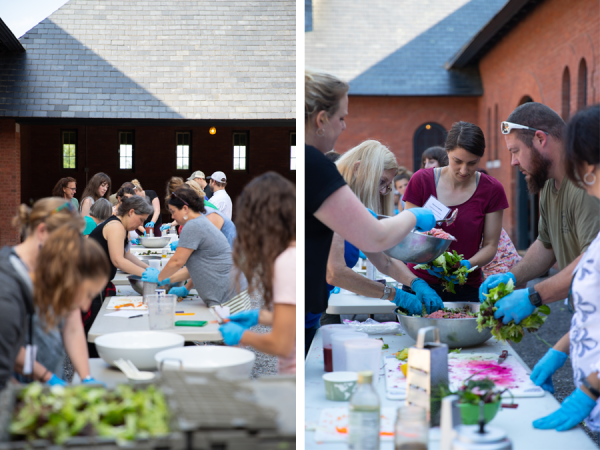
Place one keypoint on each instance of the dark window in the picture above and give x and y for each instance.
(582, 85)
(69, 149)
(125, 150)
(183, 150)
(566, 94)
(427, 135)
(292, 151)
(240, 146)
(308, 15)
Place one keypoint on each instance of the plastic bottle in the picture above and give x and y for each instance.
(364, 415)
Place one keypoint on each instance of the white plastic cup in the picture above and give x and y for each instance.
(339, 352)
(364, 354)
(154, 263)
(326, 332)
(165, 261)
(161, 311)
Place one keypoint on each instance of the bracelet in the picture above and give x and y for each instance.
(594, 391)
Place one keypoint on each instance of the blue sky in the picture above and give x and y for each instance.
(22, 15)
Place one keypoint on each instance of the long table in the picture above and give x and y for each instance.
(516, 422)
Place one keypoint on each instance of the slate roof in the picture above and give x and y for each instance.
(178, 59)
(397, 48)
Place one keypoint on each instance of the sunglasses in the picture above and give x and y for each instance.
(68, 205)
(174, 195)
(506, 127)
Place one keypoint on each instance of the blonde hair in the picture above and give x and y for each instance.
(196, 187)
(322, 92)
(374, 158)
(45, 211)
(136, 183)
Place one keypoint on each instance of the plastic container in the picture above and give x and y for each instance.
(326, 332)
(411, 429)
(161, 311)
(338, 349)
(364, 354)
(154, 263)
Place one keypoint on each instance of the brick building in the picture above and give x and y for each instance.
(417, 68)
(133, 88)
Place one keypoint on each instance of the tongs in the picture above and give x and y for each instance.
(215, 313)
(450, 220)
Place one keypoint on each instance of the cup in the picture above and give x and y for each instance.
(154, 263)
(165, 261)
(326, 332)
(364, 354)
(161, 311)
(339, 386)
(338, 350)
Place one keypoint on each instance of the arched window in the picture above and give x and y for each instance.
(526, 99)
(582, 85)
(489, 132)
(566, 94)
(427, 135)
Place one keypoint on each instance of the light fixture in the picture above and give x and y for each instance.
(212, 130)
(428, 127)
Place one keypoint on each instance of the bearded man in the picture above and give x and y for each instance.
(569, 222)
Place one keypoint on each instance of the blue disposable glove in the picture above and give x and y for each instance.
(361, 255)
(410, 302)
(232, 333)
(454, 278)
(180, 291)
(573, 410)
(149, 224)
(135, 241)
(425, 218)
(246, 319)
(492, 281)
(545, 368)
(151, 276)
(165, 227)
(335, 290)
(436, 272)
(173, 245)
(514, 306)
(427, 296)
(55, 381)
(91, 380)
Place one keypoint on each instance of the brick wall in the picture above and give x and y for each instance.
(10, 179)
(154, 156)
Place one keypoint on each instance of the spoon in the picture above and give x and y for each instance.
(450, 220)
(132, 372)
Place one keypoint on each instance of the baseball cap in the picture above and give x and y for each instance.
(196, 174)
(218, 176)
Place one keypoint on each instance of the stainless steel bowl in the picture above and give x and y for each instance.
(138, 285)
(148, 257)
(154, 242)
(454, 332)
(417, 248)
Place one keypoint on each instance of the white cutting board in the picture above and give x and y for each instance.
(137, 302)
(333, 425)
(395, 381)
(510, 374)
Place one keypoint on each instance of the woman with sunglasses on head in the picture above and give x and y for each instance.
(480, 200)
(206, 255)
(66, 188)
(18, 321)
(98, 186)
(265, 252)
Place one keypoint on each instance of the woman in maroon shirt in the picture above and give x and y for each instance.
(479, 198)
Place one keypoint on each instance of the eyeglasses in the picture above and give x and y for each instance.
(506, 127)
(174, 195)
(385, 188)
(67, 205)
(73, 189)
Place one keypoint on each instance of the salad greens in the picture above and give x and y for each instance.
(511, 331)
(473, 391)
(384, 346)
(450, 262)
(59, 414)
(447, 311)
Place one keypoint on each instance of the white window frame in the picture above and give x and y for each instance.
(293, 151)
(70, 148)
(125, 151)
(182, 151)
(240, 152)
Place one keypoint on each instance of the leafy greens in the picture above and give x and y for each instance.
(450, 263)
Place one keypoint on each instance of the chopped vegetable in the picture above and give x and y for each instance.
(385, 346)
(450, 263)
(511, 331)
(439, 233)
(402, 355)
(455, 350)
(404, 368)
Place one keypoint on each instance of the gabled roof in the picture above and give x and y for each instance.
(397, 48)
(8, 42)
(177, 59)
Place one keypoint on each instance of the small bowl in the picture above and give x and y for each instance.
(154, 242)
(339, 386)
(470, 413)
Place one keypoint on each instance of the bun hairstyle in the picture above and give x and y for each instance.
(62, 183)
(189, 196)
(46, 210)
(138, 186)
(465, 135)
(322, 92)
(65, 260)
(266, 225)
(140, 206)
(582, 142)
(196, 187)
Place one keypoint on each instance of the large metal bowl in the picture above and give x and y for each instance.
(154, 242)
(417, 248)
(454, 332)
(138, 285)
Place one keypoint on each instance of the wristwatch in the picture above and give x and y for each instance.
(534, 297)
(593, 391)
(387, 291)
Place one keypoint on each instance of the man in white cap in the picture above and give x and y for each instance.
(220, 198)
(198, 177)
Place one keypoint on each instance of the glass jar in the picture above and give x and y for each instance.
(411, 431)
(364, 415)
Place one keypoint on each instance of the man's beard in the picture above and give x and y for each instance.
(540, 172)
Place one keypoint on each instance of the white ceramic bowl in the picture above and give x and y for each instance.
(224, 362)
(138, 346)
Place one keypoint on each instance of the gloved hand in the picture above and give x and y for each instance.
(149, 224)
(335, 290)
(246, 319)
(55, 381)
(436, 272)
(232, 333)
(173, 245)
(361, 255)
(408, 301)
(573, 410)
(514, 306)
(91, 380)
(180, 291)
(492, 281)
(135, 241)
(151, 276)
(454, 278)
(545, 368)
(427, 296)
(164, 227)
(425, 218)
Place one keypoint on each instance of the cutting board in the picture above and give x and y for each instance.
(116, 301)
(333, 425)
(395, 381)
(510, 374)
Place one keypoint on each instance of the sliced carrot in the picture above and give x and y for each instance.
(342, 430)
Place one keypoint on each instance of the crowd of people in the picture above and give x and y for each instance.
(559, 161)
(56, 280)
